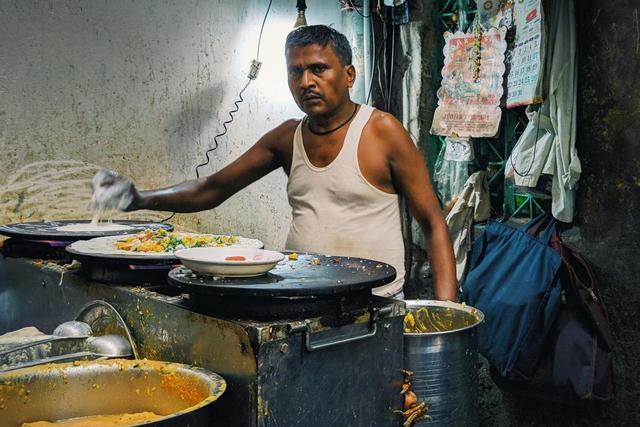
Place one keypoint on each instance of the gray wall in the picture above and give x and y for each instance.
(609, 196)
(142, 87)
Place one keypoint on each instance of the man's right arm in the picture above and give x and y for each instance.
(208, 192)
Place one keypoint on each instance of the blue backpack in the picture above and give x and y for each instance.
(514, 280)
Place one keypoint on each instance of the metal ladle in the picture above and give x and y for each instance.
(68, 331)
(98, 348)
(110, 346)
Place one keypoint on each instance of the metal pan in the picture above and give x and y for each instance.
(48, 230)
(309, 275)
(181, 395)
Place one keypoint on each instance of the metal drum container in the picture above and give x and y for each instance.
(445, 362)
(158, 393)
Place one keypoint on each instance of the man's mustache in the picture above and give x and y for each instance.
(310, 93)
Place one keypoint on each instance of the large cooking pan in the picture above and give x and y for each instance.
(48, 230)
(181, 394)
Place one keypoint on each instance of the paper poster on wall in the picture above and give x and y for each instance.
(526, 65)
(469, 96)
(495, 13)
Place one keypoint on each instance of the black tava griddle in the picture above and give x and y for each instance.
(47, 230)
(302, 278)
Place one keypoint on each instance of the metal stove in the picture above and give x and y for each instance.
(306, 345)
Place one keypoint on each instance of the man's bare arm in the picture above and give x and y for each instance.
(411, 179)
(209, 192)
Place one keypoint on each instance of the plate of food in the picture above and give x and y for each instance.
(155, 244)
(229, 261)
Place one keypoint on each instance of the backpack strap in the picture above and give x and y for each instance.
(541, 227)
(583, 279)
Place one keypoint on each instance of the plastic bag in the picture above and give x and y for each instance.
(449, 178)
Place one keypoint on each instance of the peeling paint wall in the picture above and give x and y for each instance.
(142, 87)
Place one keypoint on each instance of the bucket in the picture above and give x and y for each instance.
(444, 362)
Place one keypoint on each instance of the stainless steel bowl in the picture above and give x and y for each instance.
(181, 394)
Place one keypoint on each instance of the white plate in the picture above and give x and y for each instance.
(105, 246)
(214, 261)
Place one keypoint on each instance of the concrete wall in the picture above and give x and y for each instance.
(142, 87)
(609, 197)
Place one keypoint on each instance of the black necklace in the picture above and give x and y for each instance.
(334, 129)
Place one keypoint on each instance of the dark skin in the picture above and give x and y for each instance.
(320, 83)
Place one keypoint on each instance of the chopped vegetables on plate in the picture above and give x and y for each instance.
(161, 240)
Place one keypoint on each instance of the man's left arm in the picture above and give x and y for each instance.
(411, 179)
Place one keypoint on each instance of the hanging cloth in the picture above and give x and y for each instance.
(473, 205)
(547, 146)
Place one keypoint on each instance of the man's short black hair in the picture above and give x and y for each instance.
(323, 36)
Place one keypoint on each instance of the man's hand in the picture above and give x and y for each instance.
(112, 191)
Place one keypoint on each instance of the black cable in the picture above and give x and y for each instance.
(382, 79)
(236, 108)
(262, 28)
(373, 59)
(393, 50)
(236, 103)
(535, 146)
(373, 50)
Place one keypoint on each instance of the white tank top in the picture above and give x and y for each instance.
(336, 211)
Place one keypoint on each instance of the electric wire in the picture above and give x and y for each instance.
(262, 28)
(393, 49)
(382, 55)
(382, 79)
(236, 108)
(373, 59)
(231, 112)
(236, 103)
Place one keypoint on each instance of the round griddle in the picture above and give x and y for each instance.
(47, 230)
(302, 278)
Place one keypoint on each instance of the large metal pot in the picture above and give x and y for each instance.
(445, 363)
(180, 394)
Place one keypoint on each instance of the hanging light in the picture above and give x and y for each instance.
(301, 21)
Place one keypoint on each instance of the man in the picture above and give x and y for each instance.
(346, 163)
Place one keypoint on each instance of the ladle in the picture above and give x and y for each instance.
(68, 331)
(98, 348)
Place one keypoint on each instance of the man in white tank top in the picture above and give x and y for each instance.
(347, 165)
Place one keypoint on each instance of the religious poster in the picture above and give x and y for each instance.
(526, 59)
(469, 96)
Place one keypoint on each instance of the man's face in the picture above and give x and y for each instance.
(318, 80)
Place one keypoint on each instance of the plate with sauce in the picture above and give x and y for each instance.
(229, 261)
